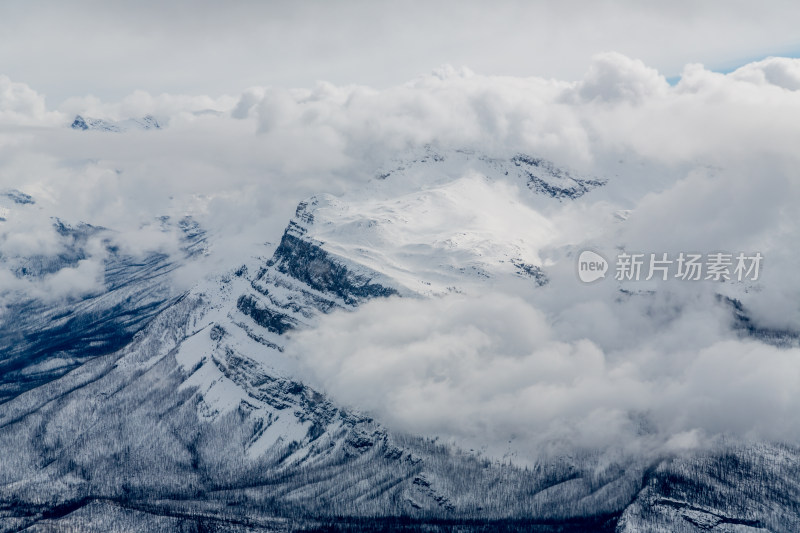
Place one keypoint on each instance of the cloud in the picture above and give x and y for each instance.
(448, 107)
(613, 77)
(707, 164)
(200, 46)
(490, 370)
(21, 105)
(141, 103)
(247, 101)
(37, 262)
(782, 72)
(712, 142)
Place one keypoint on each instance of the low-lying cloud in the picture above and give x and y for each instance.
(492, 371)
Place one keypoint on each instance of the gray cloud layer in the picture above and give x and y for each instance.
(109, 48)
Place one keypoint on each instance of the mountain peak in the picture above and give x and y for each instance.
(543, 177)
(147, 122)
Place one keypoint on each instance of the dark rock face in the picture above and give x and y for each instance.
(530, 271)
(783, 338)
(264, 316)
(568, 187)
(19, 197)
(310, 264)
(149, 122)
(79, 123)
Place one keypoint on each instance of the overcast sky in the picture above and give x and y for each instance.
(111, 48)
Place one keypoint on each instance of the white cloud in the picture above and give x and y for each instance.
(707, 164)
(21, 105)
(613, 77)
(779, 71)
(490, 369)
(141, 103)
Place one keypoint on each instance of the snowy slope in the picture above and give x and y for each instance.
(42, 339)
(427, 242)
(211, 407)
(427, 166)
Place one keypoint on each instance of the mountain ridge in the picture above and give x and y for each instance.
(201, 418)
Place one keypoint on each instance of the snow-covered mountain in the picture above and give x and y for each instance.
(42, 340)
(148, 122)
(144, 408)
(426, 165)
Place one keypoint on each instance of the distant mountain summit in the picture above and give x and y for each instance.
(148, 122)
(18, 197)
